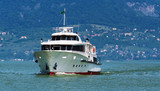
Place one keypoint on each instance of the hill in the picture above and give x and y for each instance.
(117, 13)
(126, 27)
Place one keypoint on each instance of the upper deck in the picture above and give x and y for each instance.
(65, 29)
(64, 35)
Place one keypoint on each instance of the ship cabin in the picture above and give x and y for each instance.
(65, 40)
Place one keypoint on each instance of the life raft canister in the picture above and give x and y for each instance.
(94, 49)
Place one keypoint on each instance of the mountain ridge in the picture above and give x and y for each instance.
(41, 13)
(126, 27)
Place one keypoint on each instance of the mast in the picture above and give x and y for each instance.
(64, 18)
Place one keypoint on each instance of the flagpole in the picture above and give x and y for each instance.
(64, 18)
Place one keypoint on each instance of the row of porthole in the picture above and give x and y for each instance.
(79, 65)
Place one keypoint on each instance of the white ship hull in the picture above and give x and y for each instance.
(65, 62)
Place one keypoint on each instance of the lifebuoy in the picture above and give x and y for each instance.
(94, 49)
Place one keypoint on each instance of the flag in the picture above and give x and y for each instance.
(62, 12)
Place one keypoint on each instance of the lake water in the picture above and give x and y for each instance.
(115, 76)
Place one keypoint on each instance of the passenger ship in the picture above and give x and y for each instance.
(65, 53)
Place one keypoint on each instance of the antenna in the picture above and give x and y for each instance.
(64, 17)
(78, 27)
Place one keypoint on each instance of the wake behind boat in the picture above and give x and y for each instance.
(65, 53)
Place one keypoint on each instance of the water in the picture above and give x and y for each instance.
(115, 76)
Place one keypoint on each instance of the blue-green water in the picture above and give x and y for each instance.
(116, 76)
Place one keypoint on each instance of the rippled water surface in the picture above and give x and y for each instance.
(115, 76)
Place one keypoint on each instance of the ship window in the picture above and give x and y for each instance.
(52, 47)
(69, 47)
(45, 47)
(53, 38)
(71, 37)
(68, 37)
(63, 47)
(74, 38)
(58, 38)
(56, 48)
(78, 48)
(63, 37)
(77, 38)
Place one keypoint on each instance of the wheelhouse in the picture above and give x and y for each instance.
(64, 37)
(65, 34)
